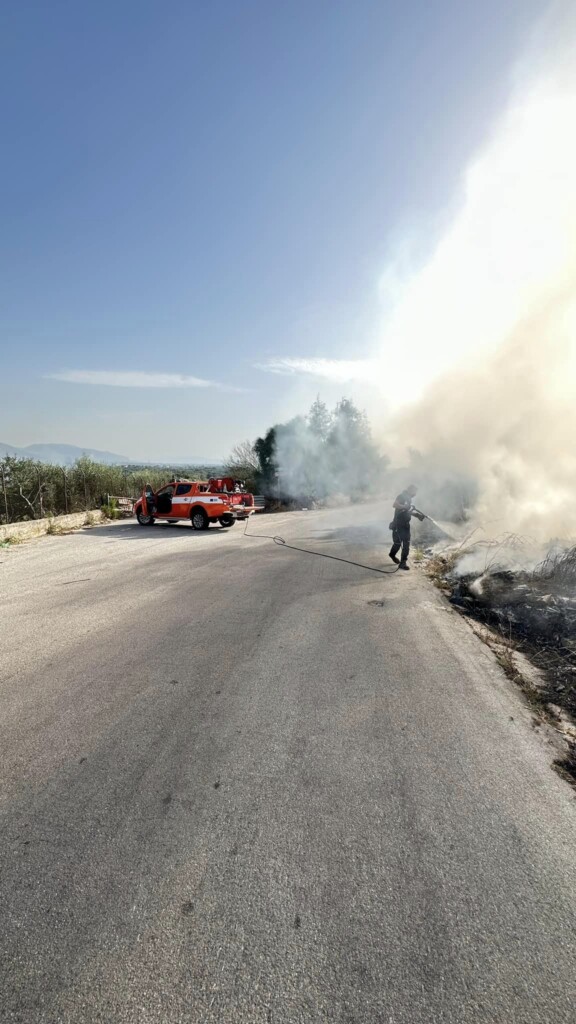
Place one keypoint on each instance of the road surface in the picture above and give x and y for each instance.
(241, 784)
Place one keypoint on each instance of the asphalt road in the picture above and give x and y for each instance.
(235, 789)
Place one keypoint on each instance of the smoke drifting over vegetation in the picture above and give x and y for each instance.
(507, 424)
(491, 322)
(322, 455)
(328, 454)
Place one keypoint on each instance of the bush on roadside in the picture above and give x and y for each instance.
(111, 510)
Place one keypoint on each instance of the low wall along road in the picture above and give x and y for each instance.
(36, 527)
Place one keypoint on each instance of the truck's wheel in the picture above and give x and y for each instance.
(199, 519)
(144, 520)
(226, 520)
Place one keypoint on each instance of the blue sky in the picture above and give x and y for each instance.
(193, 191)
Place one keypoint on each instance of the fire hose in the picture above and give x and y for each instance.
(335, 558)
(419, 515)
(321, 554)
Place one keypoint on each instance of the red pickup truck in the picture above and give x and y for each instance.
(201, 502)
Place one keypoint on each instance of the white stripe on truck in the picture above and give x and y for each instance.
(197, 499)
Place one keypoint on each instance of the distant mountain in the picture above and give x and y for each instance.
(194, 460)
(66, 455)
(62, 454)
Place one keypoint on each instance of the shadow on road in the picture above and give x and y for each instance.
(358, 536)
(133, 531)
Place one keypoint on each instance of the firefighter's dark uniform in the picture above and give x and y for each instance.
(400, 527)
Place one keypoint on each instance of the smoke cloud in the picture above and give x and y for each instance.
(488, 328)
(327, 455)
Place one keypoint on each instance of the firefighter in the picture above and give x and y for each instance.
(400, 526)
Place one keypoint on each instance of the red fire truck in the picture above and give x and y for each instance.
(202, 502)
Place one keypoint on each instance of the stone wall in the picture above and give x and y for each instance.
(36, 527)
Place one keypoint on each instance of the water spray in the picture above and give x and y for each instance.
(422, 516)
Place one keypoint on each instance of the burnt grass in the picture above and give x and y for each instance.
(533, 612)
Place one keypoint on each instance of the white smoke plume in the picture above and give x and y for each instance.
(487, 330)
(328, 455)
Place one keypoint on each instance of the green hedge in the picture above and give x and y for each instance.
(32, 490)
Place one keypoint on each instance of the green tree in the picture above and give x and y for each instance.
(319, 419)
(357, 465)
(265, 448)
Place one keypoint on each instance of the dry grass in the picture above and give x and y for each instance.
(505, 658)
(55, 530)
(10, 542)
(440, 565)
(59, 531)
(559, 569)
